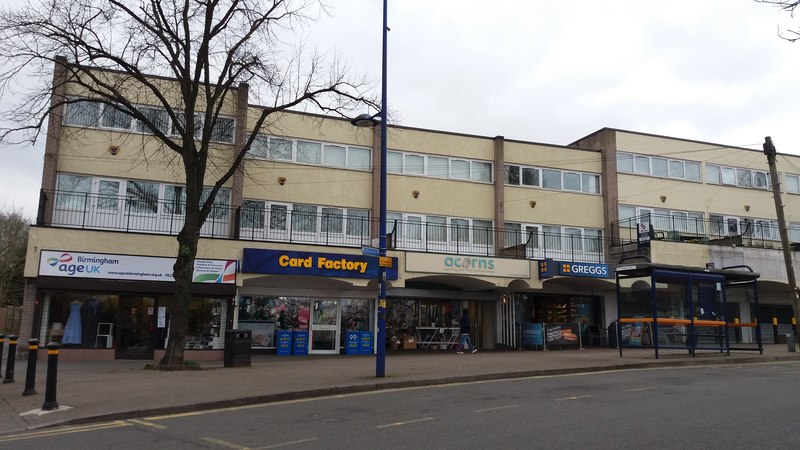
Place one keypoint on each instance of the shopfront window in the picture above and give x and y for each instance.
(82, 320)
(264, 315)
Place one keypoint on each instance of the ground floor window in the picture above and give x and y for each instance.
(128, 323)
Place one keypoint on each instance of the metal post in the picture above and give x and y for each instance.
(50, 402)
(770, 151)
(30, 375)
(2, 348)
(12, 355)
(380, 360)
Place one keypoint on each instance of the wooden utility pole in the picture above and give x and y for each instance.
(769, 150)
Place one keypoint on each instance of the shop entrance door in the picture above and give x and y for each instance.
(135, 328)
(324, 327)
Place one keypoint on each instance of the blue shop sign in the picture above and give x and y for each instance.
(283, 262)
(549, 268)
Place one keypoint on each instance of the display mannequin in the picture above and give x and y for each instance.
(72, 332)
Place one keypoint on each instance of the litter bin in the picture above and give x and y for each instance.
(237, 348)
(790, 342)
(612, 335)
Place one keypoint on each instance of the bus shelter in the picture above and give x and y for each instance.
(675, 307)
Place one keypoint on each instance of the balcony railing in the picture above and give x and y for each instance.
(720, 231)
(278, 224)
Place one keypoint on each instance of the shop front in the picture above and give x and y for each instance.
(306, 302)
(110, 306)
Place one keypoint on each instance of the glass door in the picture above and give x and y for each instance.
(135, 328)
(324, 327)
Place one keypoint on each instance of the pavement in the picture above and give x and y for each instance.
(89, 391)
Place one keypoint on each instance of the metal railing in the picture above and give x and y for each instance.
(717, 231)
(279, 224)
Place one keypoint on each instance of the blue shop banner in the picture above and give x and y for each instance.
(366, 343)
(284, 346)
(532, 334)
(353, 345)
(548, 268)
(283, 262)
(300, 342)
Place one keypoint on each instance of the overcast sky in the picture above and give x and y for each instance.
(554, 71)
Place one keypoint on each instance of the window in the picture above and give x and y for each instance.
(279, 149)
(334, 155)
(660, 167)
(624, 162)
(676, 169)
(551, 179)
(278, 217)
(594, 240)
(573, 239)
(142, 197)
(460, 229)
(112, 117)
(590, 183)
(309, 152)
(552, 237)
(438, 167)
(358, 222)
(174, 200)
(792, 184)
(223, 130)
(713, 174)
(512, 234)
(459, 169)
(332, 220)
(728, 175)
(512, 175)
(157, 117)
(744, 178)
(304, 218)
(482, 232)
(414, 164)
(253, 214)
(641, 164)
(760, 180)
(572, 181)
(692, 171)
(258, 149)
(394, 162)
(219, 209)
(358, 158)
(481, 171)
(82, 113)
(73, 191)
(436, 229)
(108, 196)
(530, 176)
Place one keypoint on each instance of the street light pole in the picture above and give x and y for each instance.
(380, 360)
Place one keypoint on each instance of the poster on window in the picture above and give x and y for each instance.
(562, 333)
(263, 333)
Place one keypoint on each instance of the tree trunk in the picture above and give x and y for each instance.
(188, 240)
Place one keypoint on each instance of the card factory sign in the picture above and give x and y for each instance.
(468, 265)
(126, 267)
(284, 262)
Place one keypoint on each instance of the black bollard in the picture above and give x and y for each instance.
(30, 375)
(2, 348)
(50, 402)
(12, 355)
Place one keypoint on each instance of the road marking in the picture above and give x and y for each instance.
(397, 424)
(285, 444)
(224, 443)
(572, 398)
(639, 389)
(493, 409)
(67, 430)
(147, 424)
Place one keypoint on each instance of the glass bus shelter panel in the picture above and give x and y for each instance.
(635, 299)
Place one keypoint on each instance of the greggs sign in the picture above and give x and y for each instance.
(314, 264)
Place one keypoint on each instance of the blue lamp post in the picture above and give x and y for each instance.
(366, 120)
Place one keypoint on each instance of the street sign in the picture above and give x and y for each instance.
(371, 251)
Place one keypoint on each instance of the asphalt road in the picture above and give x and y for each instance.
(750, 406)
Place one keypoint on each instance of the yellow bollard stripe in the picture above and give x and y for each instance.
(13, 342)
(52, 352)
(33, 347)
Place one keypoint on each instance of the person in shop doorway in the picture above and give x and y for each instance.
(465, 342)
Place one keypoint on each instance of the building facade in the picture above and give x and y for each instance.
(516, 232)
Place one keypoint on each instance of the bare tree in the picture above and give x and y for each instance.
(13, 245)
(209, 47)
(790, 7)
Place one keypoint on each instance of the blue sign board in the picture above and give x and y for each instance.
(301, 342)
(549, 268)
(546, 268)
(284, 262)
(371, 251)
(284, 345)
(353, 344)
(366, 343)
(532, 334)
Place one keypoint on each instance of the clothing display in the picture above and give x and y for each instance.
(72, 332)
